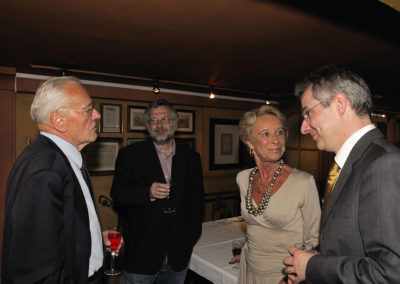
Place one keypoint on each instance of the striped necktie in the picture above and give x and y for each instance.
(330, 183)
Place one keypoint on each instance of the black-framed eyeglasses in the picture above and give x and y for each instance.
(85, 110)
(306, 114)
(164, 120)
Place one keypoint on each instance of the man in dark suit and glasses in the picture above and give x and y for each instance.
(51, 230)
(360, 226)
(159, 184)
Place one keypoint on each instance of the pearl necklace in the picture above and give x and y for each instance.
(265, 200)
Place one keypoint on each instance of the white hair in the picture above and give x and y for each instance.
(49, 97)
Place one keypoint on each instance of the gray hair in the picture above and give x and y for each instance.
(49, 97)
(329, 80)
(248, 120)
(160, 103)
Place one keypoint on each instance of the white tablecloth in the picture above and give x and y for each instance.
(214, 249)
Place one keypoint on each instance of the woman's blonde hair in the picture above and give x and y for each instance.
(248, 120)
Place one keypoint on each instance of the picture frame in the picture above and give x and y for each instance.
(100, 156)
(186, 121)
(225, 147)
(190, 142)
(136, 119)
(111, 118)
(135, 140)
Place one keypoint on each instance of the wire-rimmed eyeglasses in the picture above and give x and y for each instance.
(164, 120)
(306, 114)
(86, 110)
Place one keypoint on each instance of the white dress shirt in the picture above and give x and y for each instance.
(348, 145)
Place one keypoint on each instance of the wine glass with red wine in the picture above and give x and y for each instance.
(115, 239)
(236, 250)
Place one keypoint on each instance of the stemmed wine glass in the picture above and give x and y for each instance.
(170, 209)
(304, 247)
(236, 250)
(115, 239)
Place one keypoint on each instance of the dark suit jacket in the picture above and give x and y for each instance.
(360, 231)
(46, 235)
(149, 233)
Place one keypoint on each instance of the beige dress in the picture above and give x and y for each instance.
(292, 215)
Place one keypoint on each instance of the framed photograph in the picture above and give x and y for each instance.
(136, 119)
(135, 140)
(190, 142)
(185, 121)
(111, 117)
(225, 146)
(100, 155)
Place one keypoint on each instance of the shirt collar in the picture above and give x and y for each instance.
(67, 148)
(160, 150)
(344, 151)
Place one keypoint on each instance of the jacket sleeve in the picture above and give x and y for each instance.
(36, 250)
(196, 196)
(126, 190)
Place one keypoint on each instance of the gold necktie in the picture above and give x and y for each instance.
(330, 183)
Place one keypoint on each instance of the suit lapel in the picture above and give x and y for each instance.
(79, 199)
(346, 171)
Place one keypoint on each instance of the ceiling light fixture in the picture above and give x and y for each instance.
(212, 94)
(156, 89)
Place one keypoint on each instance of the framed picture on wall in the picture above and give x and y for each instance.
(225, 146)
(110, 120)
(100, 155)
(185, 121)
(136, 119)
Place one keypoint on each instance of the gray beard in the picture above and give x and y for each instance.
(162, 141)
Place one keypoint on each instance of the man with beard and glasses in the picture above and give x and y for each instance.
(158, 186)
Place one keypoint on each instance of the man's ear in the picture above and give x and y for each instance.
(342, 103)
(57, 120)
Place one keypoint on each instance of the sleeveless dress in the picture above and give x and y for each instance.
(292, 215)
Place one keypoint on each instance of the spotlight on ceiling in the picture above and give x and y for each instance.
(271, 102)
(156, 89)
(212, 94)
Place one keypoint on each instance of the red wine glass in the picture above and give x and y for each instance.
(115, 239)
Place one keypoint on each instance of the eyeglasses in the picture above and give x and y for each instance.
(85, 110)
(306, 114)
(164, 120)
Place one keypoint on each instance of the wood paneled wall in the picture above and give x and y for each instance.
(7, 134)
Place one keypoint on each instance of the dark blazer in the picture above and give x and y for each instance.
(46, 235)
(360, 231)
(149, 233)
